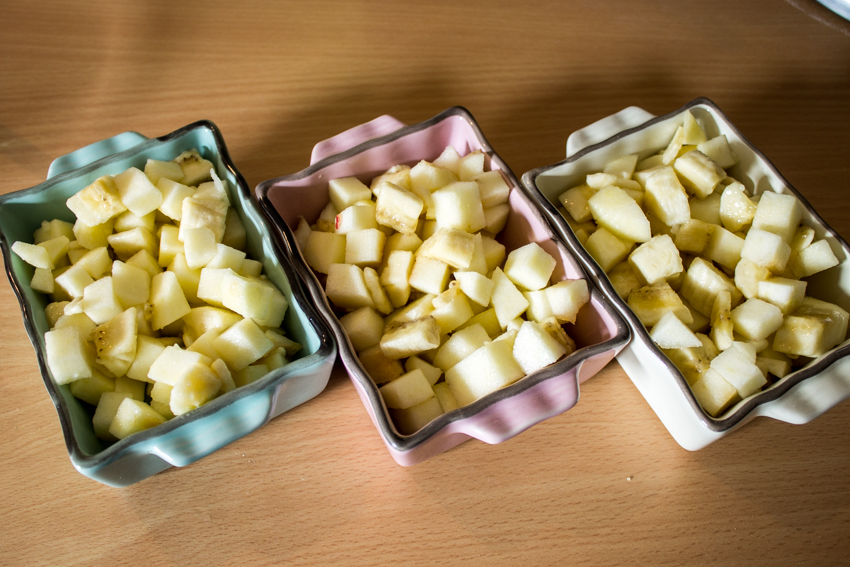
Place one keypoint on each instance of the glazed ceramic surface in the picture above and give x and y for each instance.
(798, 397)
(193, 435)
(367, 151)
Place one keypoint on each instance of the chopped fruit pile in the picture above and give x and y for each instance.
(425, 293)
(715, 272)
(155, 310)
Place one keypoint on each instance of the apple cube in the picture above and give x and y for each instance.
(429, 275)
(364, 327)
(137, 192)
(414, 418)
(396, 276)
(431, 372)
(657, 259)
(607, 249)
(195, 387)
(199, 246)
(115, 342)
(99, 301)
(378, 366)
(812, 259)
(168, 300)
(90, 389)
(724, 248)
(534, 348)
(777, 213)
(670, 333)
(650, 303)
(486, 319)
(346, 191)
(33, 254)
(67, 355)
(576, 202)
(738, 367)
(169, 245)
(702, 283)
(719, 151)
(97, 261)
(615, 210)
(51, 229)
(812, 329)
(458, 205)
(452, 246)
(132, 285)
(785, 293)
(323, 249)
(451, 310)
(242, 344)
(364, 247)
(756, 319)
(411, 338)
(97, 203)
(133, 416)
(766, 249)
(360, 216)
(698, 173)
(460, 345)
(407, 390)
(398, 208)
(566, 298)
(74, 280)
(346, 287)
(666, 198)
(475, 286)
(530, 266)
(713, 392)
(486, 370)
(507, 300)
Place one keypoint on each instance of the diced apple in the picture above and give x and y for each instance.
(713, 392)
(719, 151)
(607, 249)
(484, 371)
(399, 208)
(666, 198)
(346, 287)
(812, 329)
(67, 356)
(699, 173)
(618, 212)
(777, 213)
(411, 338)
(168, 300)
(650, 303)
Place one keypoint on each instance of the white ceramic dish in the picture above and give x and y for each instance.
(799, 397)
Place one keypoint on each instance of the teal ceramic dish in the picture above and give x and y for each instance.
(193, 435)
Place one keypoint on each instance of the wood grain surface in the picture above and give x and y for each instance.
(602, 484)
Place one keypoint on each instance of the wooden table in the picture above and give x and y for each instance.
(601, 484)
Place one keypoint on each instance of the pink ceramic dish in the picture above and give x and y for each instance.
(367, 151)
